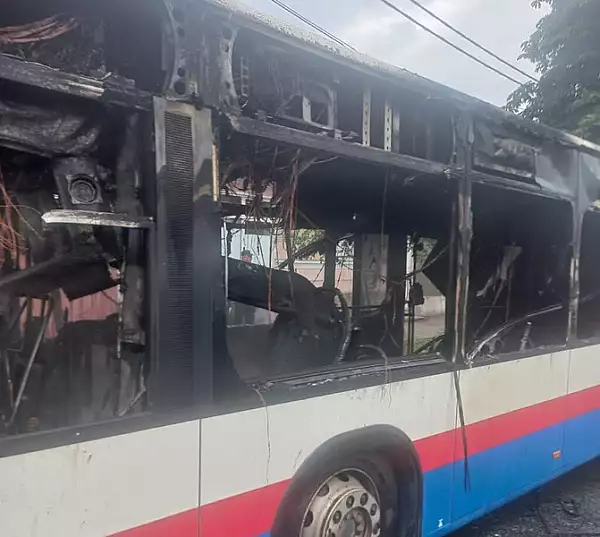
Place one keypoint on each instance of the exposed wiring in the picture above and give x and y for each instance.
(386, 361)
(463, 426)
(419, 270)
(110, 298)
(42, 30)
(123, 412)
(479, 345)
(10, 239)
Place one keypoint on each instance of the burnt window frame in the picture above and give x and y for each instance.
(473, 358)
(340, 377)
(579, 339)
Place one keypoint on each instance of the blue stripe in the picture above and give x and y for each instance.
(504, 473)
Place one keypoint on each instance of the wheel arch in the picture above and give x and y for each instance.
(385, 441)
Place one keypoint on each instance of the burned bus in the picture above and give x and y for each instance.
(253, 283)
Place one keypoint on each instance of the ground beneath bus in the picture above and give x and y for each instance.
(569, 507)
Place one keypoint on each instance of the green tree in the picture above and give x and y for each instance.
(301, 238)
(565, 48)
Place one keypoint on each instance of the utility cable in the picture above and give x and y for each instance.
(472, 41)
(312, 24)
(448, 42)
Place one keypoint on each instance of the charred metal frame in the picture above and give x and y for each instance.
(109, 92)
(199, 96)
(460, 172)
(172, 386)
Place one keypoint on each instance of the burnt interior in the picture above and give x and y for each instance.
(284, 85)
(73, 345)
(588, 325)
(78, 191)
(519, 271)
(96, 39)
(65, 337)
(348, 206)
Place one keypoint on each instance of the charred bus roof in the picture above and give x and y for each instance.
(243, 16)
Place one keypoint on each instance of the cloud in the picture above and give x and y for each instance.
(378, 31)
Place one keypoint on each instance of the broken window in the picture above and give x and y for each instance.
(112, 41)
(519, 272)
(72, 347)
(329, 263)
(278, 83)
(588, 325)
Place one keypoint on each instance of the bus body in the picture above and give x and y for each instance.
(135, 402)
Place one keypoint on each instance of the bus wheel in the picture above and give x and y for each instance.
(346, 505)
(341, 496)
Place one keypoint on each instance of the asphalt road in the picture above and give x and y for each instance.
(568, 507)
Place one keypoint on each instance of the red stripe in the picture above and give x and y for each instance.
(446, 448)
(184, 524)
(246, 515)
(581, 402)
(501, 429)
(252, 513)
(436, 451)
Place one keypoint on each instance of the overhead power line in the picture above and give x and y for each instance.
(472, 41)
(456, 47)
(448, 42)
(312, 24)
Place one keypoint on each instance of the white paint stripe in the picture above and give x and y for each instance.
(100, 487)
(238, 444)
(507, 386)
(585, 368)
(104, 486)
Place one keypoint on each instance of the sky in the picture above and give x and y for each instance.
(372, 28)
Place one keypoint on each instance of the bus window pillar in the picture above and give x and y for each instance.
(462, 232)
(186, 255)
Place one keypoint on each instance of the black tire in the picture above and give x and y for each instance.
(290, 517)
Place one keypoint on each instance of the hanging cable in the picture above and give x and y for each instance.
(472, 41)
(463, 427)
(448, 42)
(312, 24)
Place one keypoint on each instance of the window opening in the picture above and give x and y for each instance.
(519, 272)
(332, 262)
(588, 319)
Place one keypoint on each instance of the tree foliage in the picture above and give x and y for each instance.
(301, 238)
(565, 48)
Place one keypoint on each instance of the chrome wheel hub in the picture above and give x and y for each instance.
(346, 505)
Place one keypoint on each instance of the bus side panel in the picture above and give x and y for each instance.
(249, 458)
(582, 430)
(437, 499)
(131, 485)
(517, 447)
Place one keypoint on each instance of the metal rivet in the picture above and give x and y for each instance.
(337, 516)
(350, 502)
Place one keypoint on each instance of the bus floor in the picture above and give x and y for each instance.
(568, 507)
